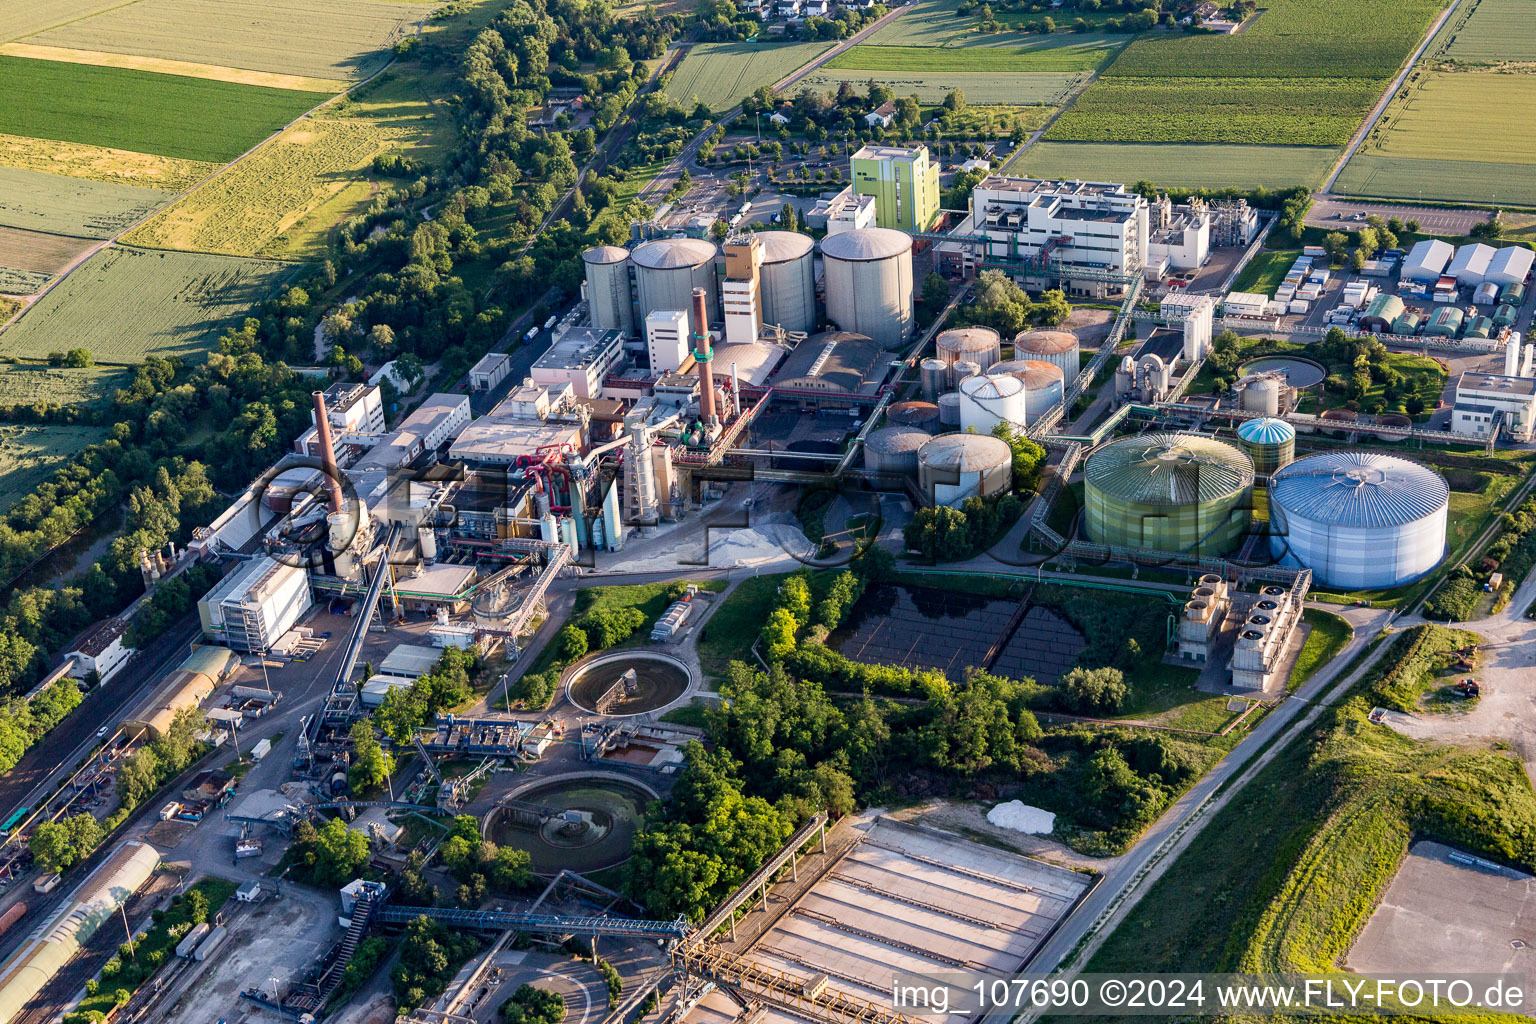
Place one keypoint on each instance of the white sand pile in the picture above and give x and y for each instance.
(1021, 817)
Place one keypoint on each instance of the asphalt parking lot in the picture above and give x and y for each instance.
(1339, 214)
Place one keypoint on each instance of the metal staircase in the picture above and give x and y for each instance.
(362, 915)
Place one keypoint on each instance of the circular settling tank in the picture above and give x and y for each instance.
(1299, 373)
(580, 823)
(606, 686)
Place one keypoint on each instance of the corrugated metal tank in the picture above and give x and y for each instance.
(961, 369)
(953, 467)
(1270, 443)
(980, 345)
(1181, 493)
(56, 941)
(869, 283)
(949, 409)
(667, 270)
(1358, 519)
(894, 449)
(608, 290)
(987, 400)
(1057, 347)
(1262, 397)
(788, 280)
(1044, 383)
(923, 415)
(934, 374)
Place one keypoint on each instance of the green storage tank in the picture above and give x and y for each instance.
(1270, 442)
(1178, 493)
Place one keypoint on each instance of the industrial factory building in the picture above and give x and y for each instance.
(1358, 519)
(189, 686)
(1489, 402)
(256, 603)
(904, 183)
(581, 358)
(838, 363)
(355, 413)
(1092, 225)
(532, 416)
(1178, 493)
(1426, 261)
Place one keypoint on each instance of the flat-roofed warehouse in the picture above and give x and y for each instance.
(835, 363)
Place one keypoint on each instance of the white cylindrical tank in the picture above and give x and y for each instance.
(569, 535)
(667, 270)
(953, 467)
(949, 409)
(1512, 356)
(979, 345)
(869, 283)
(987, 400)
(608, 292)
(1044, 383)
(1530, 361)
(427, 537)
(1262, 397)
(934, 374)
(894, 449)
(1358, 519)
(787, 280)
(549, 528)
(961, 369)
(1056, 347)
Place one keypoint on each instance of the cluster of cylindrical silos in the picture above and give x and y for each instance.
(1017, 390)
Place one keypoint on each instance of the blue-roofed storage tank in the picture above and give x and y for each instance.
(1269, 442)
(1358, 519)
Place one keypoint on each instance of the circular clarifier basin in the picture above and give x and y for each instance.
(627, 684)
(594, 827)
(1299, 373)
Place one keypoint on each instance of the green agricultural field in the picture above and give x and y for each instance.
(39, 252)
(1178, 166)
(1252, 111)
(192, 118)
(336, 39)
(928, 23)
(21, 282)
(1400, 177)
(24, 17)
(180, 304)
(1050, 89)
(1079, 54)
(1497, 30)
(32, 383)
(36, 201)
(720, 75)
(30, 454)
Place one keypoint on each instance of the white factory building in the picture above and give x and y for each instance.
(1510, 265)
(1180, 237)
(1426, 261)
(491, 370)
(843, 212)
(1483, 398)
(530, 417)
(666, 339)
(1470, 264)
(351, 409)
(256, 603)
(581, 357)
(101, 651)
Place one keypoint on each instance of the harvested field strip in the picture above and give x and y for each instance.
(71, 206)
(168, 115)
(185, 69)
(247, 207)
(994, 59)
(38, 251)
(181, 302)
(333, 39)
(720, 75)
(1252, 111)
(1498, 30)
(22, 282)
(1049, 88)
(24, 17)
(1178, 166)
(1430, 118)
(30, 454)
(1453, 180)
(97, 163)
(30, 383)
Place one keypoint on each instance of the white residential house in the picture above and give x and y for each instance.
(883, 115)
(779, 117)
(101, 651)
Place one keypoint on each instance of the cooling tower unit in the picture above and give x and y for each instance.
(1180, 493)
(869, 283)
(1270, 443)
(979, 345)
(1058, 348)
(894, 449)
(1044, 383)
(1358, 519)
(953, 467)
(788, 280)
(986, 401)
(667, 270)
(608, 291)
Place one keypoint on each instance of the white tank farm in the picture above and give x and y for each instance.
(608, 292)
(949, 409)
(1044, 383)
(667, 270)
(1358, 520)
(869, 283)
(894, 449)
(980, 345)
(787, 280)
(953, 467)
(987, 400)
(1056, 347)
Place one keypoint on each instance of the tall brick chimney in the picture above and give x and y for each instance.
(327, 452)
(702, 354)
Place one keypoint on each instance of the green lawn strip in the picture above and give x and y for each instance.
(997, 59)
(730, 631)
(169, 115)
(1329, 634)
(1266, 271)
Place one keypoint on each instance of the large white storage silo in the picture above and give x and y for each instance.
(608, 291)
(787, 280)
(667, 270)
(869, 283)
(987, 400)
